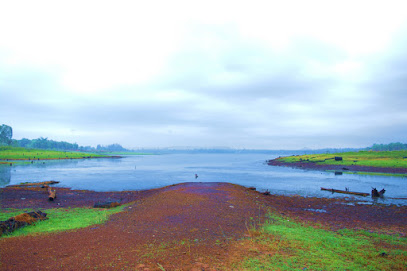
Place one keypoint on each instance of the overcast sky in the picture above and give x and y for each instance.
(240, 74)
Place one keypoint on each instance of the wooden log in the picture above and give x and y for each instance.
(267, 192)
(52, 194)
(345, 192)
(21, 220)
(34, 184)
(381, 192)
(376, 194)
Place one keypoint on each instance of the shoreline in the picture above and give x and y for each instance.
(63, 158)
(341, 168)
(24, 197)
(189, 225)
(22, 161)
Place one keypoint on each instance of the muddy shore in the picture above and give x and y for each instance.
(314, 166)
(189, 226)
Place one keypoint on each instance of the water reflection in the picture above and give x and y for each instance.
(5, 175)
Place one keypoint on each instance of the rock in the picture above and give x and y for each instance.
(338, 158)
(106, 204)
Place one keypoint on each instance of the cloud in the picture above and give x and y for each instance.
(264, 75)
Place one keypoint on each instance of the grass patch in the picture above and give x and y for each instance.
(17, 153)
(282, 244)
(61, 219)
(392, 159)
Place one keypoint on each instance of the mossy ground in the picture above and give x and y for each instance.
(16, 153)
(61, 219)
(283, 244)
(392, 159)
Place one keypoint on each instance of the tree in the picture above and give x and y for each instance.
(24, 142)
(388, 147)
(6, 133)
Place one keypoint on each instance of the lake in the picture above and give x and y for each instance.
(142, 172)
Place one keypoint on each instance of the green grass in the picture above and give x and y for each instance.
(287, 245)
(61, 219)
(392, 159)
(16, 153)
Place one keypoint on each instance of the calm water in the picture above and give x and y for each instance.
(153, 171)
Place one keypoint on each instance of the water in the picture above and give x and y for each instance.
(154, 171)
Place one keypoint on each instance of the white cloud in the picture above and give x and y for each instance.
(203, 73)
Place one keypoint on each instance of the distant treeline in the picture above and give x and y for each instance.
(388, 147)
(6, 134)
(47, 144)
(112, 147)
(240, 151)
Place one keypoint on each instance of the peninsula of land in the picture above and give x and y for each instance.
(386, 162)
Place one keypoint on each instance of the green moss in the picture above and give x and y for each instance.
(393, 159)
(287, 245)
(16, 153)
(62, 219)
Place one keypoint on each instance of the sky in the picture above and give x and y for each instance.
(238, 74)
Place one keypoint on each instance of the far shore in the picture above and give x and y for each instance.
(60, 158)
(341, 168)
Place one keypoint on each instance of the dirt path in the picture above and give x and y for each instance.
(190, 226)
(178, 227)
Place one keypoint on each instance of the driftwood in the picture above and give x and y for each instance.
(267, 192)
(42, 184)
(52, 194)
(21, 220)
(376, 194)
(345, 192)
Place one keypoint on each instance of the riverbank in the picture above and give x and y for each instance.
(189, 226)
(386, 162)
(17, 153)
(10, 155)
(339, 168)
